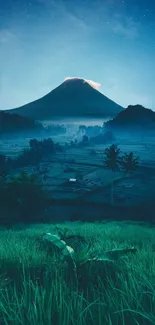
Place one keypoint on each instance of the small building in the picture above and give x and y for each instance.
(72, 180)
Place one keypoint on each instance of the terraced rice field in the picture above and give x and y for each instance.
(93, 178)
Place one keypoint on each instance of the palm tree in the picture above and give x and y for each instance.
(111, 161)
(129, 163)
(112, 157)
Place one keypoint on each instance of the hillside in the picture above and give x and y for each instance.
(135, 116)
(73, 98)
(14, 123)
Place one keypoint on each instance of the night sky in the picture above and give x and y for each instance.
(111, 42)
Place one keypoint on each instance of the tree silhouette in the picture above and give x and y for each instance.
(85, 139)
(33, 143)
(112, 161)
(129, 163)
(82, 128)
(112, 157)
(28, 157)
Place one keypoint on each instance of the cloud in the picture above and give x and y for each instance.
(6, 36)
(92, 83)
(63, 11)
(125, 26)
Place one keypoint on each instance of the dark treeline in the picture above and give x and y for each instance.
(29, 157)
(22, 198)
(37, 150)
(134, 117)
(13, 123)
(16, 125)
(90, 131)
(98, 136)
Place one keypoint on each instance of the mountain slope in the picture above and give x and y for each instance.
(134, 116)
(73, 98)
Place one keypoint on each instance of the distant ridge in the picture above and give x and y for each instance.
(14, 124)
(134, 116)
(73, 98)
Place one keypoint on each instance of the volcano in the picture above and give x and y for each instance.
(75, 97)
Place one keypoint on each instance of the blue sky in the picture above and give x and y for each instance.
(111, 42)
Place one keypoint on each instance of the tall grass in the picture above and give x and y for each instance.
(36, 287)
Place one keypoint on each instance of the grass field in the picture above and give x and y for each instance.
(36, 287)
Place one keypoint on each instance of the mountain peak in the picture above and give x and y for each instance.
(73, 82)
(75, 97)
(81, 81)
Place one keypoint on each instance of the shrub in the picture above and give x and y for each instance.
(28, 157)
(22, 199)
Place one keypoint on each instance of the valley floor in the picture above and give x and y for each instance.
(95, 181)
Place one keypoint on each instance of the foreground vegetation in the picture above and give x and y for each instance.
(37, 286)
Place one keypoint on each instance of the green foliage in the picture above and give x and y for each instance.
(65, 234)
(37, 288)
(62, 232)
(88, 255)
